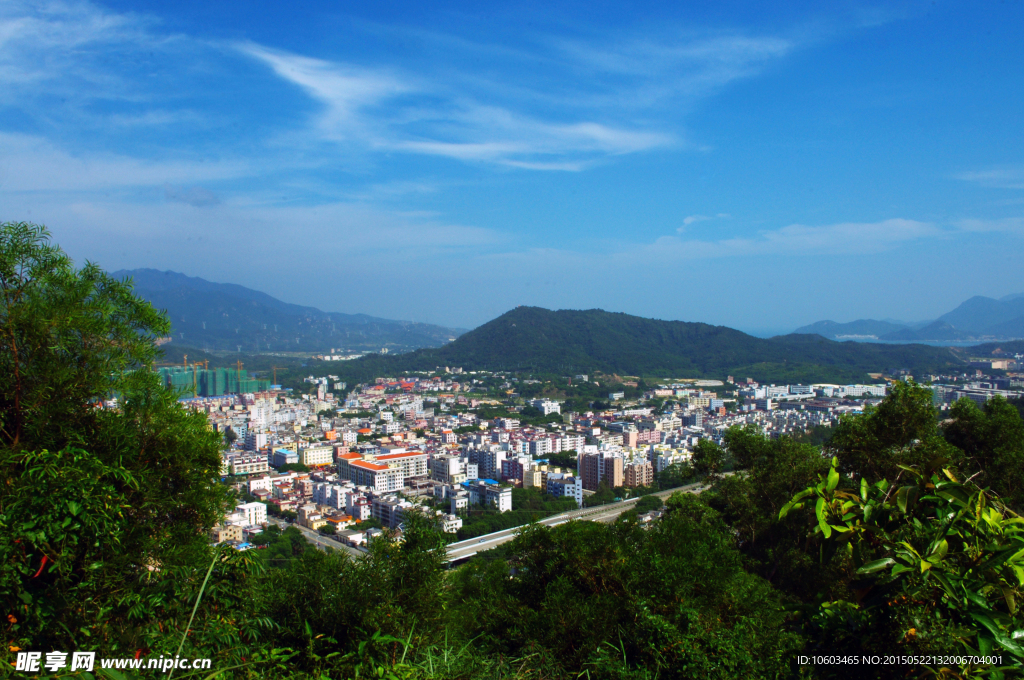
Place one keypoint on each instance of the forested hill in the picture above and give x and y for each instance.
(563, 341)
(217, 316)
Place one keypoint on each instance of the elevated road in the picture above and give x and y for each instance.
(466, 549)
(321, 541)
(603, 513)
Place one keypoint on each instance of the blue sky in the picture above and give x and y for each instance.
(745, 164)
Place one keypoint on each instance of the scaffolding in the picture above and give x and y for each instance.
(211, 382)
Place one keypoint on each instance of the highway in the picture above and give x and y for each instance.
(602, 513)
(466, 549)
(319, 540)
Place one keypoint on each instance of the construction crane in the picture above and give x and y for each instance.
(195, 376)
(184, 362)
(240, 364)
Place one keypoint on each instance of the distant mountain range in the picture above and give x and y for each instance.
(980, 319)
(570, 341)
(225, 316)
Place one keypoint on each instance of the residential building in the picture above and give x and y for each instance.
(378, 477)
(284, 457)
(564, 485)
(638, 474)
(254, 513)
(412, 463)
(230, 532)
(597, 467)
(320, 454)
(546, 406)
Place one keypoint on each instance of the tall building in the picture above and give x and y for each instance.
(598, 467)
(638, 474)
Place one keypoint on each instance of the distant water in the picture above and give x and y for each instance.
(929, 342)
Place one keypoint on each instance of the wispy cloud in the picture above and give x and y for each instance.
(42, 43)
(30, 163)
(1010, 225)
(393, 112)
(835, 239)
(1004, 177)
(693, 219)
(649, 71)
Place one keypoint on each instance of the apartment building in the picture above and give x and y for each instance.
(412, 463)
(320, 454)
(638, 474)
(564, 485)
(378, 477)
(597, 467)
(253, 513)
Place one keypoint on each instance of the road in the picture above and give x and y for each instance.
(603, 513)
(316, 538)
(465, 549)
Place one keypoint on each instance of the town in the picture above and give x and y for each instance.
(461, 447)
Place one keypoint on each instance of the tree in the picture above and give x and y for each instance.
(230, 436)
(105, 511)
(902, 430)
(939, 565)
(992, 440)
(68, 339)
(708, 459)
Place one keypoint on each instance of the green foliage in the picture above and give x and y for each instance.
(951, 553)
(68, 338)
(770, 471)
(708, 459)
(293, 467)
(675, 475)
(993, 442)
(648, 503)
(104, 512)
(529, 505)
(565, 459)
(620, 602)
(604, 495)
(902, 430)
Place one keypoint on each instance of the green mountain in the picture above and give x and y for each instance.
(225, 316)
(861, 328)
(566, 341)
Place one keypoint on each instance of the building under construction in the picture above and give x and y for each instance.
(210, 382)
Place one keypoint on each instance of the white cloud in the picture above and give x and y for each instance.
(1005, 177)
(55, 46)
(837, 239)
(33, 164)
(693, 219)
(387, 111)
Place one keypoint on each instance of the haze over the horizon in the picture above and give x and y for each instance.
(760, 167)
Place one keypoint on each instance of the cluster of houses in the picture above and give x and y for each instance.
(391, 445)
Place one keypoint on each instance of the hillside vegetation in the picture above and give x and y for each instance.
(567, 341)
(900, 536)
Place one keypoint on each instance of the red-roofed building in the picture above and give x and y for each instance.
(413, 463)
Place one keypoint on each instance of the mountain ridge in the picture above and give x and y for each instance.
(977, 319)
(581, 341)
(218, 316)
